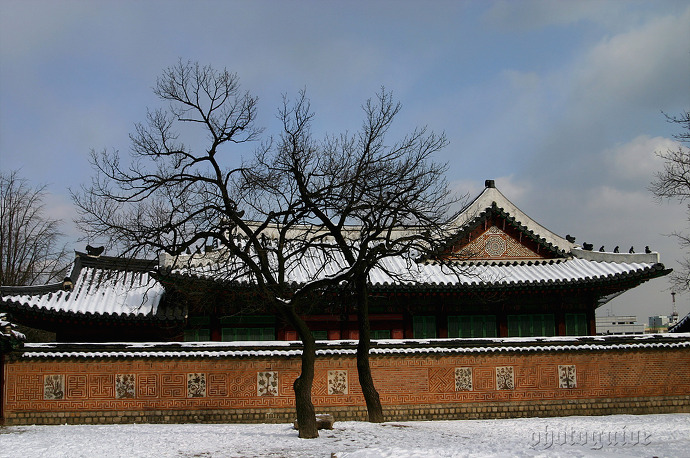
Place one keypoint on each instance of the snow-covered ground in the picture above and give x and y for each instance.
(617, 435)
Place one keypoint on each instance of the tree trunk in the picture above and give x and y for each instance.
(306, 415)
(366, 382)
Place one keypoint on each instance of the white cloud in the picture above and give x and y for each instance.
(648, 66)
(636, 160)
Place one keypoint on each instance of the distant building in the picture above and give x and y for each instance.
(618, 325)
(661, 323)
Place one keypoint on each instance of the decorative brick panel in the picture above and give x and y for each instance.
(463, 379)
(53, 387)
(337, 382)
(410, 386)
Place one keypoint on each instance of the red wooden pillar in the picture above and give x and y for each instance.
(592, 320)
(502, 320)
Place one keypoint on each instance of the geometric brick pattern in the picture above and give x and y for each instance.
(37, 387)
(217, 384)
(76, 386)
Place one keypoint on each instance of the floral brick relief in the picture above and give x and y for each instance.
(505, 378)
(567, 377)
(267, 384)
(125, 386)
(337, 382)
(54, 387)
(463, 379)
(196, 385)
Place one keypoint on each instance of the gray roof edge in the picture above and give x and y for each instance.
(491, 195)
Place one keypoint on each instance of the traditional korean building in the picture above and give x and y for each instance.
(503, 275)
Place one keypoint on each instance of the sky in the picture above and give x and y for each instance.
(559, 102)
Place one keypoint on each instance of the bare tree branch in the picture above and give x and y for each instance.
(29, 241)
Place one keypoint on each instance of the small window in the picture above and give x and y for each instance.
(245, 334)
(472, 326)
(197, 335)
(381, 334)
(531, 325)
(320, 335)
(576, 324)
(424, 327)
(198, 329)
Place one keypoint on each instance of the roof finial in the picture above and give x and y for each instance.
(489, 184)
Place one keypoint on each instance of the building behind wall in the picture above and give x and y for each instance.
(510, 277)
(619, 325)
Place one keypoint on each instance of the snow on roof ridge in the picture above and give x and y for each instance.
(491, 196)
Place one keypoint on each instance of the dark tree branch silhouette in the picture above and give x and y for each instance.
(172, 198)
(302, 218)
(370, 201)
(30, 252)
(673, 182)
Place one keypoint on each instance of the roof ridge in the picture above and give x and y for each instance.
(492, 198)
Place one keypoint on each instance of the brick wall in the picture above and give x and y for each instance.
(55, 384)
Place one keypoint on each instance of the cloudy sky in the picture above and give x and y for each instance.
(559, 101)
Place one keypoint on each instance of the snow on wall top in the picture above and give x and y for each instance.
(349, 347)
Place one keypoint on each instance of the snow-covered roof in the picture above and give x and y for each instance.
(115, 288)
(492, 198)
(400, 272)
(100, 287)
(349, 347)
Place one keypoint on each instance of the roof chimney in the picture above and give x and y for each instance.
(489, 184)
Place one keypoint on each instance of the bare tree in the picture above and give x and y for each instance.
(172, 197)
(30, 250)
(301, 218)
(673, 182)
(370, 200)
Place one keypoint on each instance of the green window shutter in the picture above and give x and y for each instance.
(575, 324)
(513, 325)
(381, 334)
(549, 325)
(244, 334)
(424, 327)
(478, 326)
(453, 326)
(472, 326)
(490, 326)
(320, 335)
(525, 325)
(537, 325)
(198, 329)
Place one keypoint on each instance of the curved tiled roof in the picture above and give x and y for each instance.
(682, 326)
(402, 273)
(102, 288)
(491, 200)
